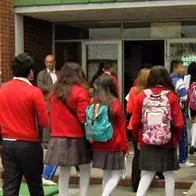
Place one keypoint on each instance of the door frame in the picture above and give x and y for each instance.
(167, 48)
(119, 58)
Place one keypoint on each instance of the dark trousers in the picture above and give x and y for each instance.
(183, 146)
(136, 172)
(22, 159)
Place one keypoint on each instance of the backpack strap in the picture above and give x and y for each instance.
(165, 93)
(148, 92)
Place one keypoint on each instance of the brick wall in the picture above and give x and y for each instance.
(7, 41)
(37, 40)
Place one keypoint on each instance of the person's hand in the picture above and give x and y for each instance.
(127, 154)
(138, 146)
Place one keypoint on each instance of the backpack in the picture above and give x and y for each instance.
(156, 118)
(192, 96)
(98, 129)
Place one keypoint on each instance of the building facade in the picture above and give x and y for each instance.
(129, 33)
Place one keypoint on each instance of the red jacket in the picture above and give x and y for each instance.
(119, 141)
(176, 113)
(131, 105)
(63, 122)
(20, 105)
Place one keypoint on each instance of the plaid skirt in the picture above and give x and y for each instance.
(109, 160)
(68, 152)
(155, 158)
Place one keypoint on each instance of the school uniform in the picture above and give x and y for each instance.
(163, 157)
(22, 107)
(136, 172)
(110, 155)
(68, 146)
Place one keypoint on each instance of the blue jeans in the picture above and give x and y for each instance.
(183, 146)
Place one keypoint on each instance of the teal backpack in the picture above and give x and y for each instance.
(99, 129)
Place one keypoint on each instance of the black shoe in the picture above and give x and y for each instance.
(191, 150)
(134, 189)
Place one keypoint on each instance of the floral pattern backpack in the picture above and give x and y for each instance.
(192, 97)
(156, 118)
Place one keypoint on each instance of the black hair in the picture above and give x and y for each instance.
(175, 64)
(159, 76)
(22, 65)
(192, 71)
(106, 90)
(97, 74)
(107, 65)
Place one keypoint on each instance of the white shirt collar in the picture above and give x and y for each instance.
(49, 71)
(23, 79)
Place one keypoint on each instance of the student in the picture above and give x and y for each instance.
(192, 105)
(109, 156)
(133, 94)
(110, 69)
(21, 105)
(156, 109)
(177, 72)
(67, 147)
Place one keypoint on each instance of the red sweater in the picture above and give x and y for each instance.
(131, 105)
(20, 105)
(119, 141)
(177, 118)
(63, 122)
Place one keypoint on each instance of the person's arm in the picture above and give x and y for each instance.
(177, 117)
(137, 117)
(181, 90)
(40, 108)
(131, 101)
(83, 101)
(42, 84)
(118, 116)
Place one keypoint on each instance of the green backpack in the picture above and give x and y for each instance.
(98, 129)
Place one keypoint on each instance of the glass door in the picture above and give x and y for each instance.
(182, 49)
(95, 53)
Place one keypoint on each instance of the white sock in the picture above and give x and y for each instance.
(145, 182)
(84, 179)
(112, 182)
(64, 181)
(193, 131)
(169, 183)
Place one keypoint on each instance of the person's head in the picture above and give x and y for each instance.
(177, 67)
(142, 79)
(106, 90)
(70, 74)
(192, 71)
(50, 62)
(109, 67)
(23, 65)
(159, 76)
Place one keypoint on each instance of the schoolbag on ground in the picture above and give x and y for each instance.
(192, 96)
(156, 118)
(98, 129)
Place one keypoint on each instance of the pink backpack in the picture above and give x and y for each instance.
(192, 96)
(156, 118)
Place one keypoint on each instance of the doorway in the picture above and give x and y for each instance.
(95, 53)
(138, 55)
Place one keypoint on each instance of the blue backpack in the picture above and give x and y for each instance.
(98, 129)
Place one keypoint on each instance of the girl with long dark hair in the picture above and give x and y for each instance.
(67, 147)
(109, 156)
(161, 156)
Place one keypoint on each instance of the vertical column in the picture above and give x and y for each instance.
(19, 34)
(7, 43)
